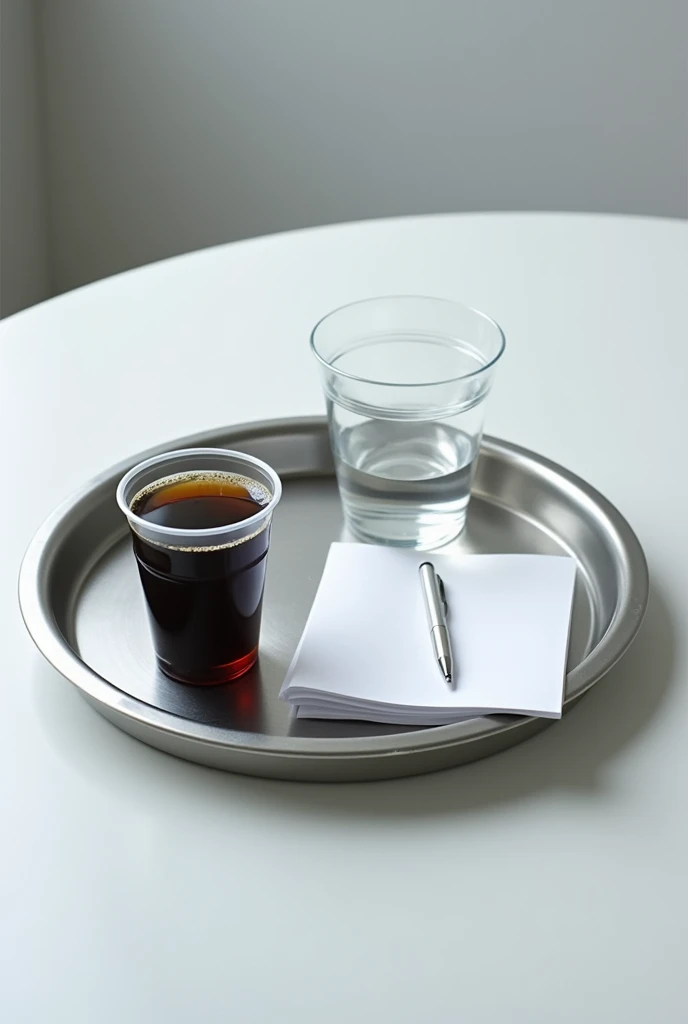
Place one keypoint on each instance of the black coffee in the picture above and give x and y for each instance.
(204, 603)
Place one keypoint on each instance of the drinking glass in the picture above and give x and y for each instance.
(405, 380)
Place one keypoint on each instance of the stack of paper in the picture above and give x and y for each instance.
(366, 653)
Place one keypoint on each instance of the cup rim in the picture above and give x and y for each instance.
(178, 532)
(390, 384)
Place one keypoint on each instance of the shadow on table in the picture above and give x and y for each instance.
(570, 755)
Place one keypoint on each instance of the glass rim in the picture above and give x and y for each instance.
(390, 384)
(180, 532)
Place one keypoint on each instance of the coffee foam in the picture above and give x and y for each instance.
(256, 491)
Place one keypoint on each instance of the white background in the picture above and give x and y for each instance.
(546, 885)
(168, 125)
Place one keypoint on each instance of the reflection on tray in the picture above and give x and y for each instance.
(237, 705)
(251, 705)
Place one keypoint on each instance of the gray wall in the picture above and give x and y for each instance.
(174, 124)
(24, 274)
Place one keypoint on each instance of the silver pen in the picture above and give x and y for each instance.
(436, 608)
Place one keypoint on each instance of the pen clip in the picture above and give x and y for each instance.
(443, 595)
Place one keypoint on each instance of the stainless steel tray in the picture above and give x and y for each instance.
(81, 601)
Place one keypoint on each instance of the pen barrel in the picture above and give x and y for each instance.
(440, 641)
(432, 597)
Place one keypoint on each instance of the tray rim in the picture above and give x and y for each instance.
(102, 693)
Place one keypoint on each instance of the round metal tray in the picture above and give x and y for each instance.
(81, 600)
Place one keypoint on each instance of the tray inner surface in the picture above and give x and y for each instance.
(104, 618)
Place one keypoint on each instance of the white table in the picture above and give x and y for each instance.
(545, 884)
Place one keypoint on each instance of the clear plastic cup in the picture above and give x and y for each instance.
(203, 578)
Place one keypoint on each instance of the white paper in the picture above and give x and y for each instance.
(366, 651)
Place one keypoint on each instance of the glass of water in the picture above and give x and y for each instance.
(405, 380)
